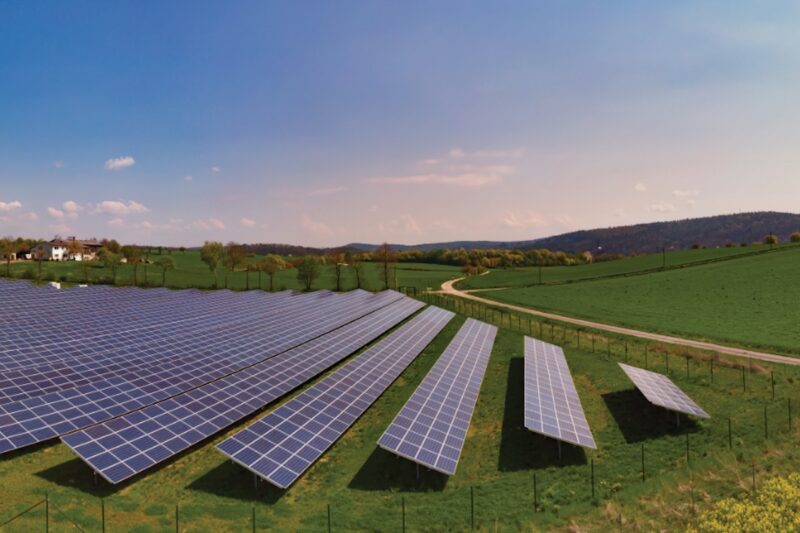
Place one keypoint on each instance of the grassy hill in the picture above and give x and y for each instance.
(751, 301)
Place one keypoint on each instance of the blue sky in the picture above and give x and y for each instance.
(323, 123)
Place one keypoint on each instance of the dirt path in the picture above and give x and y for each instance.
(447, 288)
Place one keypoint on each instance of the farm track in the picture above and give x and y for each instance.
(448, 288)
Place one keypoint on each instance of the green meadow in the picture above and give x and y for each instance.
(493, 489)
(749, 301)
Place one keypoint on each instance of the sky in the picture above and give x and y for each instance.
(324, 123)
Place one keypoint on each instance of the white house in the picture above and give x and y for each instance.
(58, 250)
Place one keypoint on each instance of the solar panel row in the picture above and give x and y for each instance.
(432, 426)
(661, 391)
(552, 406)
(34, 420)
(123, 447)
(284, 444)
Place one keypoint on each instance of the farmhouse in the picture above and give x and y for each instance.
(59, 249)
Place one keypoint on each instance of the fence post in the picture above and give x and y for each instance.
(535, 495)
(103, 513)
(766, 434)
(592, 466)
(254, 519)
(744, 383)
(712, 370)
(687, 449)
(643, 475)
(772, 379)
(403, 509)
(177, 519)
(472, 508)
(329, 518)
(46, 512)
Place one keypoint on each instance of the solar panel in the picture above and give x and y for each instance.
(34, 420)
(432, 426)
(285, 443)
(125, 446)
(660, 390)
(552, 406)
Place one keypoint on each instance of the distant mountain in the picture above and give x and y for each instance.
(639, 238)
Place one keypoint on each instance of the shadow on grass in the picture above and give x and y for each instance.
(385, 471)
(640, 420)
(75, 474)
(230, 480)
(520, 448)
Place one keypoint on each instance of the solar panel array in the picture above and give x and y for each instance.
(125, 446)
(286, 442)
(99, 376)
(661, 391)
(552, 406)
(432, 426)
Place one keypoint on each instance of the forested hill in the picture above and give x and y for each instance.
(707, 231)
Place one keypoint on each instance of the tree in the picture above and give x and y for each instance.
(271, 265)
(38, 255)
(235, 255)
(132, 254)
(337, 259)
(771, 239)
(165, 264)
(112, 261)
(112, 246)
(74, 249)
(182, 249)
(795, 236)
(211, 254)
(308, 271)
(357, 263)
(385, 255)
(7, 249)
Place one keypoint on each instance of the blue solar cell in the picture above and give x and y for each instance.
(431, 427)
(274, 454)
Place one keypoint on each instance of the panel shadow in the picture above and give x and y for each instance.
(640, 420)
(230, 480)
(386, 471)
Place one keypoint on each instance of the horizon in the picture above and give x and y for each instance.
(317, 126)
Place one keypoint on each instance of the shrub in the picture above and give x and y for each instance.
(795, 236)
(771, 239)
(775, 507)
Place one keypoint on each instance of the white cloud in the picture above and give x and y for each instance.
(118, 163)
(640, 187)
(678, 193)
(10, 206)
(512, 153)
(620, 213)
(114, 207)
(662, 208)
(326, 191)
(373, 208)
(248, 222)
(456, 153)
(187, 178)
(58, 164)
(315, 227)
(522, 219)
(29, 217)
(215, 168)
(691, 202)
(429, 161)
(468, 179)
(71, 208)
(55, 213)
(216, 223)
(409, 224)
(116, 222)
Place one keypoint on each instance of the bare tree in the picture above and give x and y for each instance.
(308, 271)
(8, 248)
(357, 263)
(385, 256)
(211, 254)
(166, 264)
(337, 259)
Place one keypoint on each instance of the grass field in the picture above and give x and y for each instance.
(366, 487)
(190, 271)
(750, 301)
(528, 276)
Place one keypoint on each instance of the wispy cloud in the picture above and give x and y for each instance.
(187, 178)
(315, 227)
(410, 224)
(662, 208)
(522, 219)
(215, 168)
(71, 208)
(118, 163)
(684, 193)
(324, 191)
(247, 222)
(58, 164)
(10, 206)
(30, 216)
(55, 213)
(640, 187)
(470, 179)
(114, 207)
